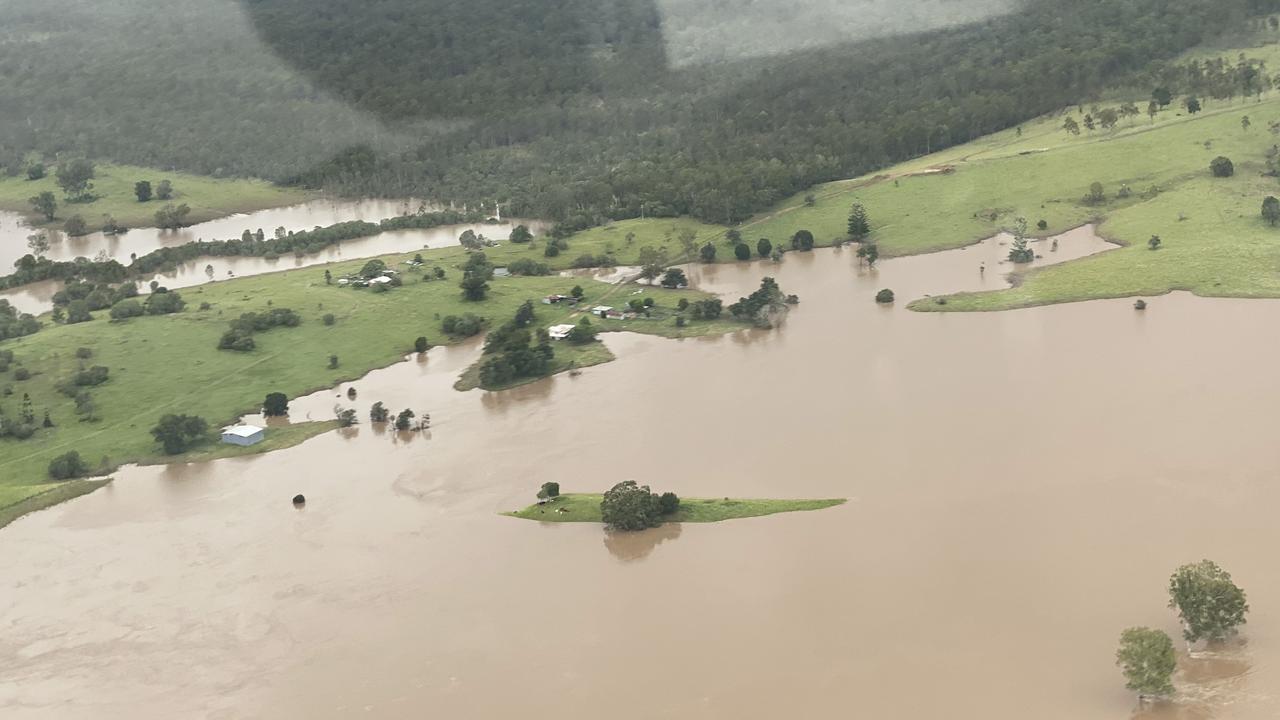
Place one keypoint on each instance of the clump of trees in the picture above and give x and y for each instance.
(240, 336)
(1210, 606)
(476, 274)
(464, 325)
(869, 253)
(763, 307)
(16, 324)
(528, 266)
(628, 506)
(582, 333)
(68, 466)
(549, 491)
(520, 234)
(75, 178)
(177, 433)
(511, 352)
(802, 240)
(674, 278)
(706, 309)
(172, 216)
(46, 204)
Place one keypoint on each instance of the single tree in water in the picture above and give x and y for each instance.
(1209, 604)
(1018, 251)
(1147, 659)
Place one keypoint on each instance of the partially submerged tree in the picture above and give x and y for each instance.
(1019, 252)
(1209, 604)
(276, 405)
(1147, 659)
(46, 204)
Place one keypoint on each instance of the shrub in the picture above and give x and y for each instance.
(21, 374)
(420, 344)
(528, 266)
(462, 325)
(884, 296)
(84, 353)
(164, 303)
(1042, 225)
(68, 466)
(1222, 167)
(741, 251)
(126, 309)
(329, 319)
(91, 377)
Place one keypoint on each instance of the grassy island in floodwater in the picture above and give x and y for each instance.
(585, 507)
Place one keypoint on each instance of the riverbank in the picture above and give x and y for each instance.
(585, 507)
(113, 190)
(170, 363)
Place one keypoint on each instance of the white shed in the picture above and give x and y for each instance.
(559, 332)
(242, 435)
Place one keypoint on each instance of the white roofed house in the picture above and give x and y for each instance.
(242, 435)
(601, 310)
(559, 332)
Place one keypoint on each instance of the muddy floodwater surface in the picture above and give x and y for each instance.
(1020, 487)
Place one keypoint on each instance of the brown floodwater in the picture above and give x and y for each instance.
(1020, 486)
(38, 297)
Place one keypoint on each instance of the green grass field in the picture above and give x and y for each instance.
(208, 198)
(585, 507)
(170, 363)
(1214, 241)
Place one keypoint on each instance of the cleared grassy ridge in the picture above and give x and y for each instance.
(170, 363)
(209, 198)
(585, 507)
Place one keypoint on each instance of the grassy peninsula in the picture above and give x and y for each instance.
(170, 363)
(585, 507)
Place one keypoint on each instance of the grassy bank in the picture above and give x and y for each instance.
(277, 437)
(170, 364)
(43, 496)
(209, 198)
(585, 507)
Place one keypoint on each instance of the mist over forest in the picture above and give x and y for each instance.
(575, 110)
(699, 31)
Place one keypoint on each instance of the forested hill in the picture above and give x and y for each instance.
(570, 109)
(721, 142)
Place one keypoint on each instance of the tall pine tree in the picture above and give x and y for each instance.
(859, 226)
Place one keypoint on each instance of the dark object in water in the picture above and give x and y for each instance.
(299, 500)
(1140, 305)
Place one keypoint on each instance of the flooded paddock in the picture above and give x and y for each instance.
(1020, 485)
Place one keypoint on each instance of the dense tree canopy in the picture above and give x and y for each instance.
(594, 121)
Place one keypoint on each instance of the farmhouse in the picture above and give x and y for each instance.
(559, 332)
(242, 435)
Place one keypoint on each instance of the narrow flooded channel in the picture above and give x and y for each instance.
(38, 297)
(1021, 484)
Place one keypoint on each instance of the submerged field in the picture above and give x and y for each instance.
(207, 197)
(170, 364)
(585, 507)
